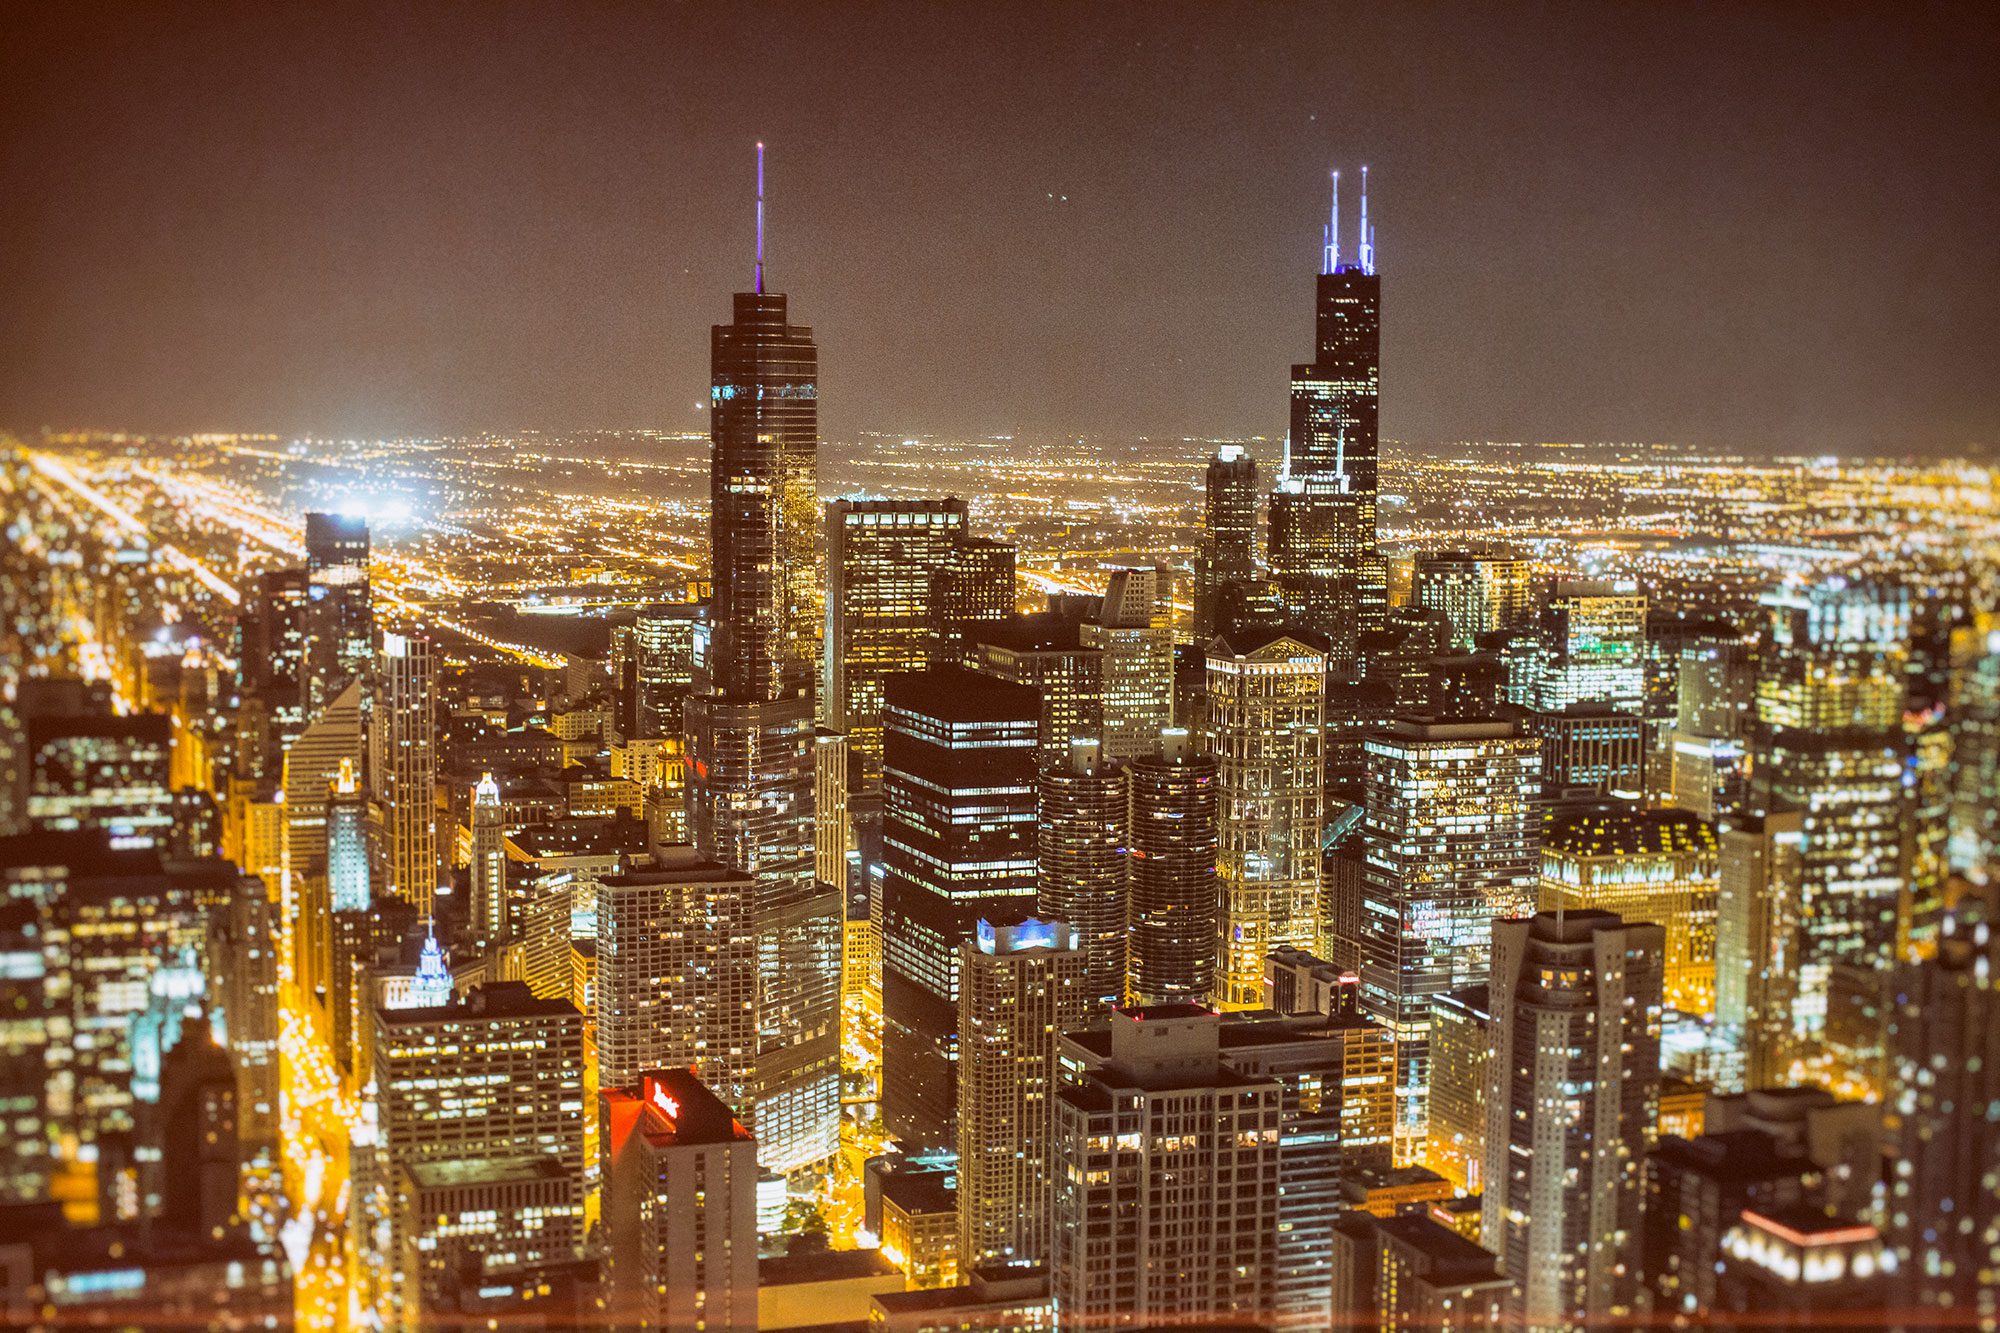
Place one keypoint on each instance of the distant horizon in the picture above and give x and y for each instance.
(1973, 452)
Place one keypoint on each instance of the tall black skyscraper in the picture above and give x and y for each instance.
(958, 844)
(1323, 535)
(750, 739)
(1229, 531)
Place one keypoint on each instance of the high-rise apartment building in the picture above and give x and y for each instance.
(1336, 1074)
(1572, 1108)
(1166, 1172)
(1265, 718)
(1480, 591)
(883, 558)
(1020, 986)
(676, 973)
(402, 771)
(958, 844)
(1228, 550)
(1175, 892)
(1413, 1274)
(1047, 654)
(1645, 865)
(1083, 863)
(680, 1207)
(479, 1163)
(339, 614)
(1450, 838)
(1134, 631)
(1323, 548)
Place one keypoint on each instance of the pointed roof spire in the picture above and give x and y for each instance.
(760, 217)
(1331, 262)
(1367, 236)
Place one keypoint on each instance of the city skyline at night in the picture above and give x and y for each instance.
(1164, 843)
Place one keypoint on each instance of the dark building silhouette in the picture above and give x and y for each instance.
(958, 843)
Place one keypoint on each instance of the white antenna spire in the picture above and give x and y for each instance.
(1367, 235)
(760, 217)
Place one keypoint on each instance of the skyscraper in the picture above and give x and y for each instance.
(480, 1116)
(676, 973)
(1020, 987)
(1829, 744)
(763, 496)
(1571, 1110)
(971, 594)
(1084, 863)
(312, 767)
(489, 863)
(958, 843)
(1266, 710)
(1481, 591)
(1714, 710)
(663, 667)
(1175, 892)
(1047, 654)
(403, 765)
(1228, 550)
(1450, 845)
(347, 874)
(1153, 1100)
(1645, 865)
(339, 613)
(883, 558)
(680, 1207)
(751, 738)
(1759, 905)
(1134, 630)
(1592, 647)
(1323, 548)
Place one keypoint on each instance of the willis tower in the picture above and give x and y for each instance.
(1324, 552)
(772, 1048)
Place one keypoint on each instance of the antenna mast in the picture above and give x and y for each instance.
(760, 218)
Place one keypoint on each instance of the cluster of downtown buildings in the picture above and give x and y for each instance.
(1437, 942)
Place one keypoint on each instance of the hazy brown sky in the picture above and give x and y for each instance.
(1752, 225)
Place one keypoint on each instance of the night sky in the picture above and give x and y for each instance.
(1768, 227)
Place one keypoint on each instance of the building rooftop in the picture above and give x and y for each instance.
(1452, 1258)
(469, 1171)
(957, 694)
(1618, 829)
(786, 1270)
(495, 999)
(920, 1191)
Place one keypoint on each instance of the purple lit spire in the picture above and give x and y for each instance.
(760, 218)
(1331, 262)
